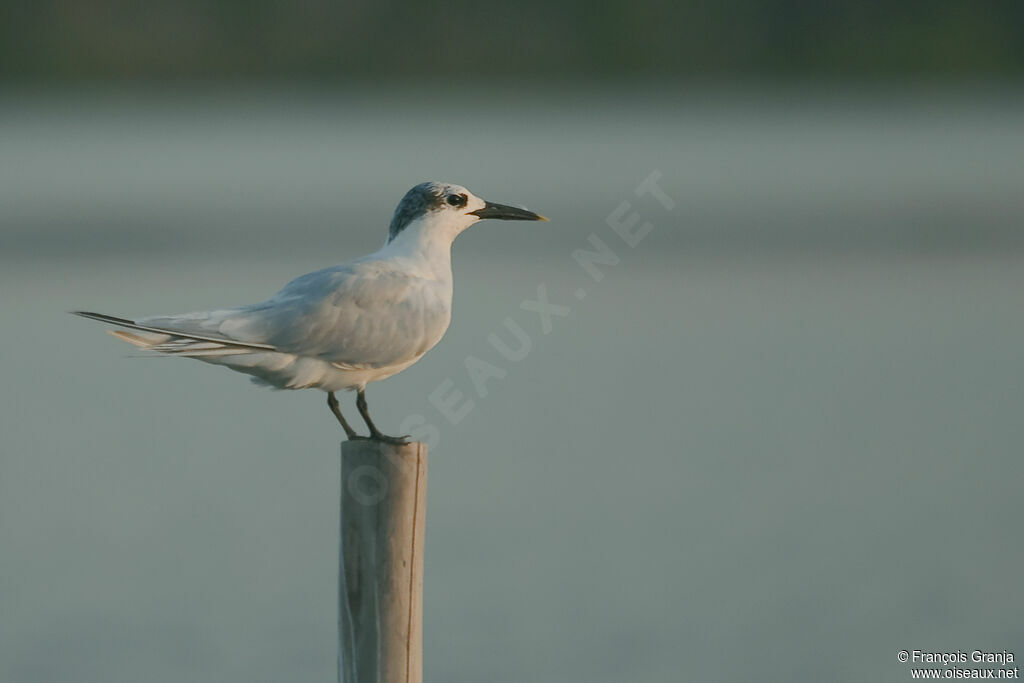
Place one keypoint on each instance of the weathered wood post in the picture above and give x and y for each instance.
(380, 562)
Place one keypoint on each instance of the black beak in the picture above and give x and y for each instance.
(506, 213)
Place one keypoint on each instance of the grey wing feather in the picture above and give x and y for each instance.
(364, 314)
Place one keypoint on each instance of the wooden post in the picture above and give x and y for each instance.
(380, 562)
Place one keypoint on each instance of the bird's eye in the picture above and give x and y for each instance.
(457, 199)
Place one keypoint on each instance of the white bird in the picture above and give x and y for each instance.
(345, 326)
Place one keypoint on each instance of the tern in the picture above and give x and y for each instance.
(344, 326)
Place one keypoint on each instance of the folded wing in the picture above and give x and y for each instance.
(362, 315)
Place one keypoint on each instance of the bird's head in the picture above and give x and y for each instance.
(444, 210)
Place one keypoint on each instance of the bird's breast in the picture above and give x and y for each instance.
(435, 315)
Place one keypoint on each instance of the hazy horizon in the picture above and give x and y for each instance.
(780, 436)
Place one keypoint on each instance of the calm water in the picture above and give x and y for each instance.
(779, 439)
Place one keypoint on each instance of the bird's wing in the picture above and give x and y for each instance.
(365, 314)
(168, 340)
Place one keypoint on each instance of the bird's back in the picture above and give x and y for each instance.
(367, 314)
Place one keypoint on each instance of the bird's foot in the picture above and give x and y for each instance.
(393, 440)
(357, 437)
(383, 438)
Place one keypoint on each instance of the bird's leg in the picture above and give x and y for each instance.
(374, 432)
(332, 403)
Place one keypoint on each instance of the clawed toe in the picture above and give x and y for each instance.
(393, 440)
(383, 438)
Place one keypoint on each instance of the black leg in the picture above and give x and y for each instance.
(332, 402)
(374, 432)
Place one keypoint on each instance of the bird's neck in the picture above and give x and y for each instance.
(428, 252)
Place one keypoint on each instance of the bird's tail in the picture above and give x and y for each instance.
(175, 342)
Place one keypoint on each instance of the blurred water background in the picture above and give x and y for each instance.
(779, 439)
(783, 431)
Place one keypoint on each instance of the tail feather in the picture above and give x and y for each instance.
(175, 342)
(146, 341)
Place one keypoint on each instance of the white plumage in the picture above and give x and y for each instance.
(341, 327)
